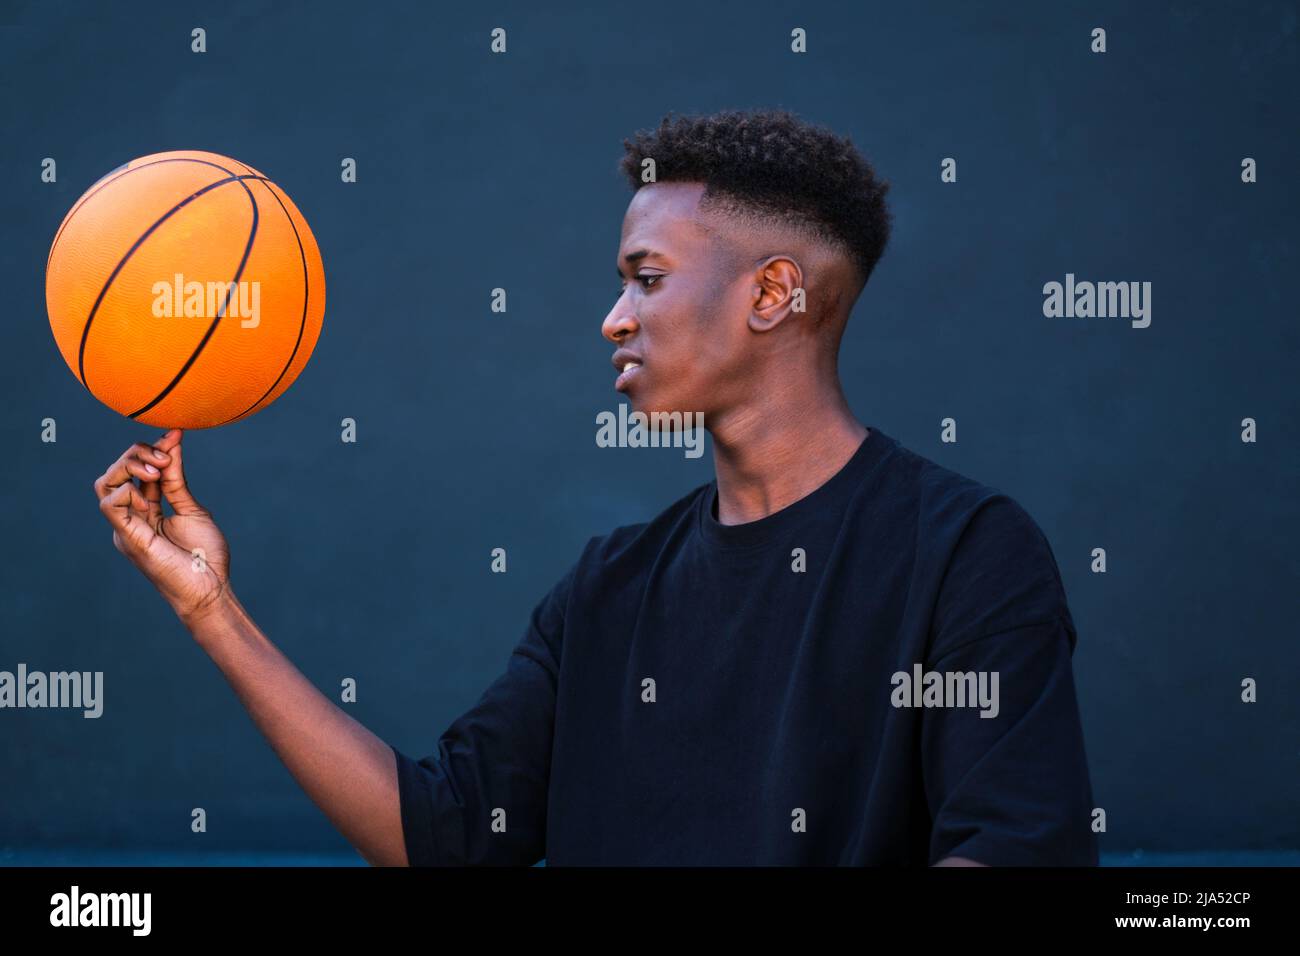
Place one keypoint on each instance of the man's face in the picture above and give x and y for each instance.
(681, 318)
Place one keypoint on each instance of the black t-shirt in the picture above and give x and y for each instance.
(878, 673)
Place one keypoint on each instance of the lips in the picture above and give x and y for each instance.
(629, 365)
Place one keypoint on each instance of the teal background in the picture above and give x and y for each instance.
(476, 430)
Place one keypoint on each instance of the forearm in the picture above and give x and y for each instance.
(346, 770)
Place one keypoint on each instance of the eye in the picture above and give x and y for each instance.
(648, 280)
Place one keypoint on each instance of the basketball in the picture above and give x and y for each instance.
(185, 290)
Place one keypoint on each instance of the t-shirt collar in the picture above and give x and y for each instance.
(832, 493)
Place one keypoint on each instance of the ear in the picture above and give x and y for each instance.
(778, 284)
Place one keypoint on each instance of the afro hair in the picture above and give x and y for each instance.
(772, 164)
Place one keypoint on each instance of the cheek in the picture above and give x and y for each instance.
(691, 343)
(719, 337)
(689, 346)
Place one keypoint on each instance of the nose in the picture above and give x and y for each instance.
(621, 322)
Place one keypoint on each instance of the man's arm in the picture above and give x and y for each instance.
(346, 770)
(1007, 781)
(481, 797)
(349, 773)
(1011, 789)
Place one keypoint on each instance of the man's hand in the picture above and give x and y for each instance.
(183, 554)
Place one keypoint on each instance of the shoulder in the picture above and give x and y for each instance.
(631, 542)
(994, 566)
(617, 560)
(964, 513)
(943, 498)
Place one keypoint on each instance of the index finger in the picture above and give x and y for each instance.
(118, 473)
(169, 440)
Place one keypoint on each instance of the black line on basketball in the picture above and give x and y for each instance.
(85, 332)
(220, 312)
(105, 181)
(302, 324)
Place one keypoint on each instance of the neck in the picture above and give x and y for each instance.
(781, 448)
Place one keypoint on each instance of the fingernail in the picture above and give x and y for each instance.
(150, 468)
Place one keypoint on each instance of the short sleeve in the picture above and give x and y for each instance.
(1011, 788)
(492, 765)
(1007, 782)
(1000, 574)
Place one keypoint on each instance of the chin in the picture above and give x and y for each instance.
(664, 416)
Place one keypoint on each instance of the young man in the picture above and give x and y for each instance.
(839, 652)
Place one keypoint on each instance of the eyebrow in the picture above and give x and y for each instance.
(634, 257)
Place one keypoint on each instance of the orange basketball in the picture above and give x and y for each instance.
(185, 290)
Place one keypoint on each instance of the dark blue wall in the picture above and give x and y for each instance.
(477, 430)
